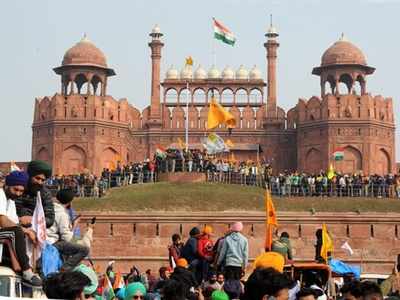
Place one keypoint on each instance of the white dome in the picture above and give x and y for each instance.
(228, 73)
(255, 73)
(272, 31)
(186, 72)
(242, 73)
(172, 73)
(200, 73)
(214, 73)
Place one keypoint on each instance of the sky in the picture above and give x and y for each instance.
(36, 34)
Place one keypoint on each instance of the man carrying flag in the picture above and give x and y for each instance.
(271, 221)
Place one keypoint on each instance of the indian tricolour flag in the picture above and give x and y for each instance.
(338, 154)
(223, 34)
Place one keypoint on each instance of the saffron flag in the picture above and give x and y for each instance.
(119, 281)
(338, 154)
(189, 61)
(181, 144)
(223, 34)
(331, 172)
(108, 292)
(229, 143)
(219, 115)
(271, 219)
(327, 244)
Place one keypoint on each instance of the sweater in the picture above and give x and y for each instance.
(234, 251)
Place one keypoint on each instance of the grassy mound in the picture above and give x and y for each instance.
(220, 197)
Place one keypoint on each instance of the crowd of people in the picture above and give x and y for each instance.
(199, 268)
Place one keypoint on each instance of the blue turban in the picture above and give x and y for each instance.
(17, 178)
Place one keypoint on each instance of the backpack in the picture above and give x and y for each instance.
(51, 260)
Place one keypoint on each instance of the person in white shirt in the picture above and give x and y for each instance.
(14, 187)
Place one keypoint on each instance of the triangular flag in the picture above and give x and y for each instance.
(218, 115)
(271, 220)
(189, 61)
(39, 224)
(119, 281)
(327, 244)
(229, 143)
(331, 172)
(347, 247)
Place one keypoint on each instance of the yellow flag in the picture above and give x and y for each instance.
(331, 172)
(181, 144)
(189, 61)
(271, 219)
(219, 115)
(229, 143)
(327, 244)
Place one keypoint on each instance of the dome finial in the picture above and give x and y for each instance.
(343, 38)
(272, 33)
(85, 38)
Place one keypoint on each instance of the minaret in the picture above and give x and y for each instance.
(271, 45)
(155, 45)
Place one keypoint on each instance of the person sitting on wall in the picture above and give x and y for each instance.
(14, 187)
(61, 234)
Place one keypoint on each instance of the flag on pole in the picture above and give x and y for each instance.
(331, 172)
(217, 114)
(223, 34)
(338, 154)
(214, 144)
(271, 220)
(327, 244)
(108, 292)
(347, 247)
(181, 144)
(119, 281)
(189, 61)
(229, 143)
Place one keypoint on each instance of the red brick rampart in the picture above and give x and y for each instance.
(143, 239)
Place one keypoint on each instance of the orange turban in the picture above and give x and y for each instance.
(270, 260)
(207, 229)
(181, 262)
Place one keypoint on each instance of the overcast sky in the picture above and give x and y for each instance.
(36, 34)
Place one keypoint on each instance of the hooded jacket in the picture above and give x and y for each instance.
(61, 229)
(234, 251)
(186, 277)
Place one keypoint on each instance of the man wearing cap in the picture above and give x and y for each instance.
(61, 233)
(234, 254)
(14, 187)
(38, 172)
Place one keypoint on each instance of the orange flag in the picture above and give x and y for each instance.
(271, 220)
(217, 114)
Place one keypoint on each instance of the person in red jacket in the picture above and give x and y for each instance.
(205, 250)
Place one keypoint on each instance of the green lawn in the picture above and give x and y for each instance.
(220, 197)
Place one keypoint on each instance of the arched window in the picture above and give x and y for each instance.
(81, 83)
(199, 96)
(171, 96)
(185, 96)
(227, 96)
(241, 96)
(345, 84)
(96, 85)
(255, 96)
(216, 94)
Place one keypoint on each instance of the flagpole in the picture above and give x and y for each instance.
(213, 52)
(187, 117)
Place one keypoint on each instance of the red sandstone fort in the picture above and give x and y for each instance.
(81, 126)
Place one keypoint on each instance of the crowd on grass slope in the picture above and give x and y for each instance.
(200, 268)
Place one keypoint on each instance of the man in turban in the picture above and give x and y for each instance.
(14, 187)
(38, 172)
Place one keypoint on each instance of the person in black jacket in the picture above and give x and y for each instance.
(184, 276)
(38, 172)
